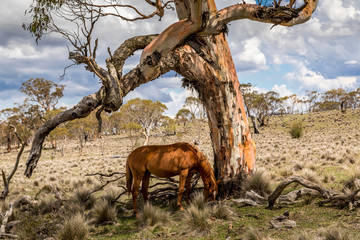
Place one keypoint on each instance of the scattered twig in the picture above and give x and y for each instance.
(6, 218)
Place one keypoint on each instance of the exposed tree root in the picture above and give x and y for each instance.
(331, 198)
(161, 192)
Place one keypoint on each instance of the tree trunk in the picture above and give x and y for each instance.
(256, 128)
(215, 79)
(8, 140)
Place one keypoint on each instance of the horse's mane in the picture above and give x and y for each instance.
(203, 161)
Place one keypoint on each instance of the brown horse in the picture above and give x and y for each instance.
(167, 161)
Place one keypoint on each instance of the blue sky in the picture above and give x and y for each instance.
(322, 54)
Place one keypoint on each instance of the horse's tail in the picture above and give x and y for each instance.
(129, 177)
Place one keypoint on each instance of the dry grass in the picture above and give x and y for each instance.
(74, 228)
(103, 212)
(196, 219)
(329, 150)
(255, 234)
(221, 211)
(152, 215)
(196, 216)
(258, 182)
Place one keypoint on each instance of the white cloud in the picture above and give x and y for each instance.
(351, 62)
(337, 12)
(282, 90)
(251, 58)
(177, 102)
(9, 97)
(309, 79)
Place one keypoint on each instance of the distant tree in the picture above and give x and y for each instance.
(43, 92)
(312, 98)
(83, 129)
(168, 124)
(334, 99)
(184, 116)
(195, 106)
(249, 96)
(283, 105)
(293, 100)
(145, 113)
(353, 98)
(24, 118)
(265, 105)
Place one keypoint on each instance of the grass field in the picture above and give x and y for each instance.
(327, 153)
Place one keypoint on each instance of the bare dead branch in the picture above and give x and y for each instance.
(81, 110)
(7, 180)
(6, 218)
(272, 197)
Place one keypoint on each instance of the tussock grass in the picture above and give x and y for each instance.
(152, 215)
(310, 175)
(198, 200)
(334, 233)
(110, 195)
(258, 182)
(221, 211)
(255, 234)
(74, 228)
(48, 204)
(83, 196)
(196, 216)
(196, 219)
(103, 212)
(72, 208)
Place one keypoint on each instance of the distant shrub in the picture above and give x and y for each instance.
(151, 215)
(297, 129)
(74, 228)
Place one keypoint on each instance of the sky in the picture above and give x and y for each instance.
(321, 54)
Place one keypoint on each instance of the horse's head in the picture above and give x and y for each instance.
(211, 189)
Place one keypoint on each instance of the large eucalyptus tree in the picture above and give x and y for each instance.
(195, 47)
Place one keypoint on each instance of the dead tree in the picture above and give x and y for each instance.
(7, 180)
(195, 47)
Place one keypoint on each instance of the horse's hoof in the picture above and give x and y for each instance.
(181, 208)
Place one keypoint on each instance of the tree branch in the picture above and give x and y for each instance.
(285, 16)
(81, 110)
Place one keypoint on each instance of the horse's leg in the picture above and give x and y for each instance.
(135, 191)
(145, 186)
(188, 186)
(183, 175)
